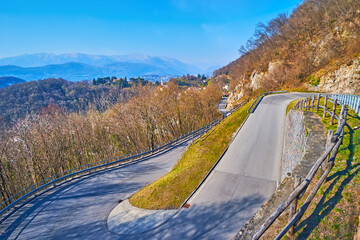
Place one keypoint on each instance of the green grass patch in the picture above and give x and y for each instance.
(172, 189)
(314, 81)
(337, 209)
(291, 105)
(334, 212)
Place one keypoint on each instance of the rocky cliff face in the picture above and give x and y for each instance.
(344, 79)
(256, 80)
(235, 95)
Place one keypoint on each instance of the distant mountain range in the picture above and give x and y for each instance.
(76, 67)
(7, 81)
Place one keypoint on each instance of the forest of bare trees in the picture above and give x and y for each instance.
(53, 141)
(318, 33)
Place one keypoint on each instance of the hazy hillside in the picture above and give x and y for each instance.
(317, 39)
(77, 67)
(17, 101)
(7, 81)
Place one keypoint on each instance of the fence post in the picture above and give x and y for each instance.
(313, 102)
(328, 143)
(333, 112)
(325, 107)
(293, 206)
(341, 117)
(317, 103)
(303, 104)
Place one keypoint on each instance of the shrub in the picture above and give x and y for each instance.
(314, 81)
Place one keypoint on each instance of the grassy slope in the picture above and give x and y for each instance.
(171, 190)
(334, 212)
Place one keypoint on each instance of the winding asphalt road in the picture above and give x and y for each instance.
(242, 181)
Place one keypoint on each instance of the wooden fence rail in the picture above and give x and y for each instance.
(326, 161)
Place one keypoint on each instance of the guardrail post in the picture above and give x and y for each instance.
(357, 106)
(325, 106)
(52, 180)
(350, 101)
(318, 102)
(333, 112)
(354, 101)
(293, 206)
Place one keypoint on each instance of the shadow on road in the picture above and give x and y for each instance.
(208, 221)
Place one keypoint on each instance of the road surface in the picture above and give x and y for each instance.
(79, 209)
(242, 181)
(222, 105)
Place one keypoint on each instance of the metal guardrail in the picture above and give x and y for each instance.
(262, 95)
(92, 167)
(353, 101)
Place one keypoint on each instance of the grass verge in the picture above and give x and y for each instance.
(172, 189)
(291, 105)
(334, 212)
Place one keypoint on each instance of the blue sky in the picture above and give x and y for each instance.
(201, 32)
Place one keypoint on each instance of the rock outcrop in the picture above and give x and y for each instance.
(344, 79)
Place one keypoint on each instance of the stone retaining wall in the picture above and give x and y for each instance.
(294, 142)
